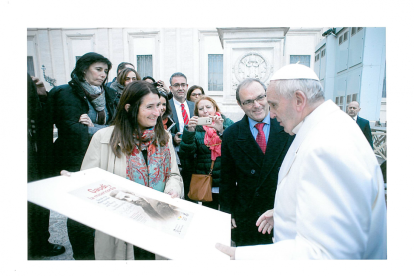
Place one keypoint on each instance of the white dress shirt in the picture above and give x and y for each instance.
(177, 105)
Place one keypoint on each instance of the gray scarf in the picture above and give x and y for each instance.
(96, 96)
(117, 87)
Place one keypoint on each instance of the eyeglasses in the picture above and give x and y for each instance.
(249, 103)
(177, 85)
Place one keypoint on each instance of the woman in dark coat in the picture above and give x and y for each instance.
(204, 142)
(79, 109)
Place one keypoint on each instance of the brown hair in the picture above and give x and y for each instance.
(192, 88)
(208, 99)
(124, 73)
(126, 122)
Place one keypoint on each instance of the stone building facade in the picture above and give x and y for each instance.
(217, 59)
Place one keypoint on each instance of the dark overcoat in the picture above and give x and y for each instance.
(249, 178)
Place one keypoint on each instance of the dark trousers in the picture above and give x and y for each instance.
(246, 233)
(81, 238)
(37, 228)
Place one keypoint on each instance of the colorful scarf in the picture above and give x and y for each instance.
(158, 170)
(212, 140)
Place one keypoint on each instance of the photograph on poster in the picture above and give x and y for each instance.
(148, 211)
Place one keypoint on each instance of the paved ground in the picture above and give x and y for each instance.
(59, 235)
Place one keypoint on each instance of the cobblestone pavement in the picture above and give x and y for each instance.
(59, 235)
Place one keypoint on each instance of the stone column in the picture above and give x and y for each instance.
(249, 53)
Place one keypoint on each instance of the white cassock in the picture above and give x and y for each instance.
(330, 197)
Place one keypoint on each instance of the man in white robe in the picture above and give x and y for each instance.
(330, 201)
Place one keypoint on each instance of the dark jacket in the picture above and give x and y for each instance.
(39, 135)
(192, 145)
(66, 103)
(176, 128)
(366, 129)
(249, 177)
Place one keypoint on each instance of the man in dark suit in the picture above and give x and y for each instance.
(353, 110)
(39, 145)
(182, 111)
(252, 151)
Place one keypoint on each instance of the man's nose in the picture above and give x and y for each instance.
(256, 103)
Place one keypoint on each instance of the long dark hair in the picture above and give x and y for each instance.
(124, 73)
(192, 88)
(83, 63)
(168, 110)
(126, 122)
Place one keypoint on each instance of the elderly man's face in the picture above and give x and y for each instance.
(353, 109)
(282, 109)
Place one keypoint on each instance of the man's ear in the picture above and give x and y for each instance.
(127, 107)
(300, 100)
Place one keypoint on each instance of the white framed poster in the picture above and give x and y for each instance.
(173, 228)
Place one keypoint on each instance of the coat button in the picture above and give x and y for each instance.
(253, 171)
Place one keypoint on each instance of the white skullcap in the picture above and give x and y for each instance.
(294, 71)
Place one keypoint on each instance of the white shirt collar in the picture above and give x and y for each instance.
(178, 103)
(296, 129)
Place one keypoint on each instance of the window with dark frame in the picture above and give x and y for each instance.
(345, 36)
(340, 39)
(353, 31)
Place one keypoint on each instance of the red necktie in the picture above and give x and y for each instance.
(185, 116)
(261, 138)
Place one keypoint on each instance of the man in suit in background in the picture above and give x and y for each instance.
(253, 150)
(182, 111)
(353, 110)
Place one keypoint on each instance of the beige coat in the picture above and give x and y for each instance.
(100, 154)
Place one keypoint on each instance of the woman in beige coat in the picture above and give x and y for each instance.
(135, 147)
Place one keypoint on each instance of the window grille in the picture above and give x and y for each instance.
(215, 72)
(303, 59)
(345, 36)
(340, 39)
(144, 65)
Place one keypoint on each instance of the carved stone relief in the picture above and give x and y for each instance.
(252, 65)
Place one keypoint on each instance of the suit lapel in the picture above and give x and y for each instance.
(274, 148)
(247, 144)
(175, 118)
(191, 108)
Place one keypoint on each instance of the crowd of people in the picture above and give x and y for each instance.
(131, 125)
